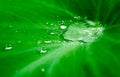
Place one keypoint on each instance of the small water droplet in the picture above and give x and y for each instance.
(19, 41)
(9, 47)
(52, 33)
(70, 20)
(38, 42)
(62, 21)
(16, 30)
(52, 24)
(47, 23)
(56, 41)
(63, 27)
(10, 26)
(43, 69)
(81, 43)
(78, 17)
(48, 41)
(42, 50)
(90, 22)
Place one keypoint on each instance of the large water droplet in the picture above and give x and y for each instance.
(84, 31)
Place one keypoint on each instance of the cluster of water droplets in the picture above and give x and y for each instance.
(79, 29)
(76, 29)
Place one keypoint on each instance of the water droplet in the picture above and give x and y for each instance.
(42, 69)
(10, 26)
(63, 27)
(62, 21)
(19, 41)
(47, 23)
(52, 33)
(82, 32)
(48, 41)
(78, 17)
(43, 50)
(9, 47)
(70, 20)
(52, 24)
(38, 42)
(16, 30)
(56, 41)
(90, 22)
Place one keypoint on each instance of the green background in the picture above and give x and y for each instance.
(23, 23)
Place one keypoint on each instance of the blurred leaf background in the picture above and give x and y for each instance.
(25, 25)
